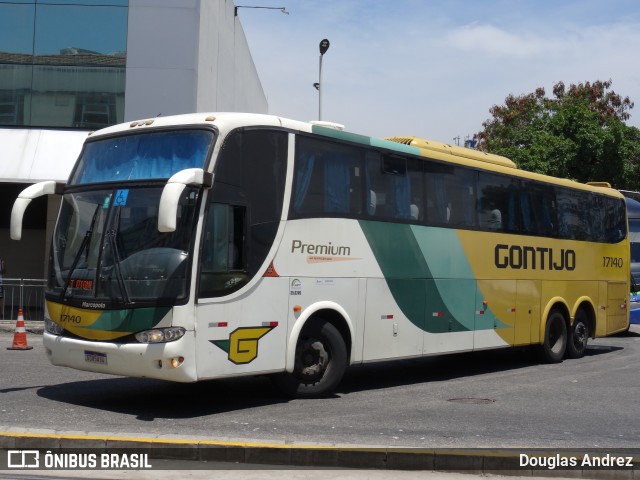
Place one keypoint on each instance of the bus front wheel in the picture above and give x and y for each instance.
(578, 336)
(320, 362)
(555, 338)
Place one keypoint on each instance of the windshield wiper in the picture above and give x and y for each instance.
(111, 235)
(84, 246)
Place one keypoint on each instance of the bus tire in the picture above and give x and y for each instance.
(578, 336)
(555, 338)
(320, 362)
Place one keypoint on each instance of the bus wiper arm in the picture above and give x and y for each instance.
(116, 265)
(84, 246)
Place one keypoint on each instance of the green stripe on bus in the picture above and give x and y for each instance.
(364, 140)
(409, 278)
(129, 320)
(428, 274)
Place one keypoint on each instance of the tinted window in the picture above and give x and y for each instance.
(388, 187)
(538, 207)
(450, 195)
(255, 162)
(394, 187)
(498, 203)
(615, 226)
(416, 179)
(244, 211)
(574, 214)
(327, 179)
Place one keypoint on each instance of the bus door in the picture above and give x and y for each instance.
(241, 323)
(238, 330)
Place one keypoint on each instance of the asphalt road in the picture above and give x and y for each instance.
(500, 399)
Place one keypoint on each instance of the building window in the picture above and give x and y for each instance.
(94, 111)
(11, 109)
(62, 62)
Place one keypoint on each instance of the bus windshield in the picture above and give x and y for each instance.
(156, 155)
(107, 248)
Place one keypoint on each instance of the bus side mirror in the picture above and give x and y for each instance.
(170, 198)
(24, 199)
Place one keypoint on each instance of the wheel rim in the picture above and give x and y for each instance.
(311, 360)
(580, 335)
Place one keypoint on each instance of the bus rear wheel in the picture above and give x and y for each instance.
(555, 338)
(578, 336)
(320, 362)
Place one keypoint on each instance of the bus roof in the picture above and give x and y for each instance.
(227, 121)
(432, 146)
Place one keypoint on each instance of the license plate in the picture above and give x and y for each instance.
(95, 357)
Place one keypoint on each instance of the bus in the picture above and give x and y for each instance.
(633, 214)
(205, 246)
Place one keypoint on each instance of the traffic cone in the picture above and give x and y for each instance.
(20, 337)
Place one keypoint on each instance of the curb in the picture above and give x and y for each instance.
(476, 461)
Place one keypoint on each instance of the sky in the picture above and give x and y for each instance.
(434, 68)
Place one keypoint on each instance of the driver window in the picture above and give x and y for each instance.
(222, 269)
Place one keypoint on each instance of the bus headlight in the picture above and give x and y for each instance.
(52, 327)
(160, 335)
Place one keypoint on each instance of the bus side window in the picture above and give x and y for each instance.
(437, 203)
(388, 181)
(341, 182)
(598, 218)
(615, 220)
(573, 217)
(450, 195)
(537, 202)
(416, 177)
(327, 179)
(498, 202)
(398, 182)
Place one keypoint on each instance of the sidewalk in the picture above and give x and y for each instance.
(205, 453)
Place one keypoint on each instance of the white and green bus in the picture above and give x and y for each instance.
(206, 246)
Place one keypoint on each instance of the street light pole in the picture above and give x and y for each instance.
(324, 46)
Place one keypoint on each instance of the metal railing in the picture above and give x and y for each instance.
(25, 293)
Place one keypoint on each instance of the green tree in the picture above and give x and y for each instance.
(579, 133)
(630, 150)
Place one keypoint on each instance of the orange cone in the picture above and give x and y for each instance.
(20, 337)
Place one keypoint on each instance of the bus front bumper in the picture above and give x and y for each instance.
(173, 361)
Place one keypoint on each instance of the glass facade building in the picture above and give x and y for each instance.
(68, 67)
(62, 63)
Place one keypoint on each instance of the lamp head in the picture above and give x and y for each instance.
(324, 46)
